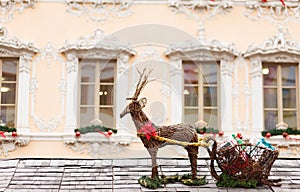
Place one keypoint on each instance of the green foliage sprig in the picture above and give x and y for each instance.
(227, 181)
(206, 130)
(274, 132)
(158, 182)
(94, 128)
(7, 129)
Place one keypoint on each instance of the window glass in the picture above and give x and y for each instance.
(201, 92)
(97, 91)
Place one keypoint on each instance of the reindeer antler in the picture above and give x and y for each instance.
(143, 80)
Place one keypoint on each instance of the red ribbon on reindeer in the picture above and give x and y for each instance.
(148, 130)
(2, 134)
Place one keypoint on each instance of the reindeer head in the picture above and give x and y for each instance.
(137, 105)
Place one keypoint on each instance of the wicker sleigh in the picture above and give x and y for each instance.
(244, 162)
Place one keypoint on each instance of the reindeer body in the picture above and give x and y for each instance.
(179, 132)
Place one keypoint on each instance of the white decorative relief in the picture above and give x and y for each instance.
(201, 50)
(123, 64)
(274, 11)
(17, 47)
(8, 7)
(100, 10)
(97, 45)
(10, 144)
(279, 48)
(149, 54)
(97, 146)
(200, 10)
(48, 54)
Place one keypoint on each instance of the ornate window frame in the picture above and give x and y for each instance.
(206, 51)
(278, 48)
(94, 46)
(13, 47)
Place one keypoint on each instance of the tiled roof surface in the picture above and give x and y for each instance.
(49, 175)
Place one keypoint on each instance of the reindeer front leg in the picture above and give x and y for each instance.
(153, 154)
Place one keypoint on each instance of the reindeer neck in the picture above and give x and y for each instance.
(139, 118)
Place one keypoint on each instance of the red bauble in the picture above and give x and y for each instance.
(239, 135)
(14, 134)
(268, 135)
(77, 134)
(109, 132)
(285, 134)
(221, 133)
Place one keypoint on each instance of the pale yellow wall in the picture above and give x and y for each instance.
(49, 22)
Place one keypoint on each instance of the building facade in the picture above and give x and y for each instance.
(65, 65)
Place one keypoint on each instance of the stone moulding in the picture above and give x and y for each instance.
(13, 46)
(201, 50)
(277, 49)
(96, 45)
(8, 7)
(100, 10)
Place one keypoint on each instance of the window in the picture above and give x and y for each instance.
(280, 86)
(8, 67)
(97, 91)
(201, 92)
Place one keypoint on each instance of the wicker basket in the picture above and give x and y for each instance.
(244, 162)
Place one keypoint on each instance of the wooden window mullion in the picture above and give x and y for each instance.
(200, 94)
(97, 90)
(279, 93)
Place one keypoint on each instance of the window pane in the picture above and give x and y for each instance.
(86, 116)
(8, 116)
(107, 72)
(289, 98)
(270, 74)
(8, 93)
(210, 73)
(290, 117)
(87, 94)
(270, 98)
(9, 70)
(270, 119)
(190, 115)
(190, 73)
(190, 95)
(106, 116)
(211, 117)
(210, 96)
(288, 75)
(106, 94)
(88, 71)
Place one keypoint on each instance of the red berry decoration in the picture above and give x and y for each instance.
(109, 132)
(77, 134)
(268, 135)
(221, 133)
(239, 135)
(285, 134)
(14, 134)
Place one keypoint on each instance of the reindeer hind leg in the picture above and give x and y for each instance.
(193, 155)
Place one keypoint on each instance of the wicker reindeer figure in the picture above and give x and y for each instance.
(179, 132)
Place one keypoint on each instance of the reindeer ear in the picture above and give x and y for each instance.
(143, 102)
